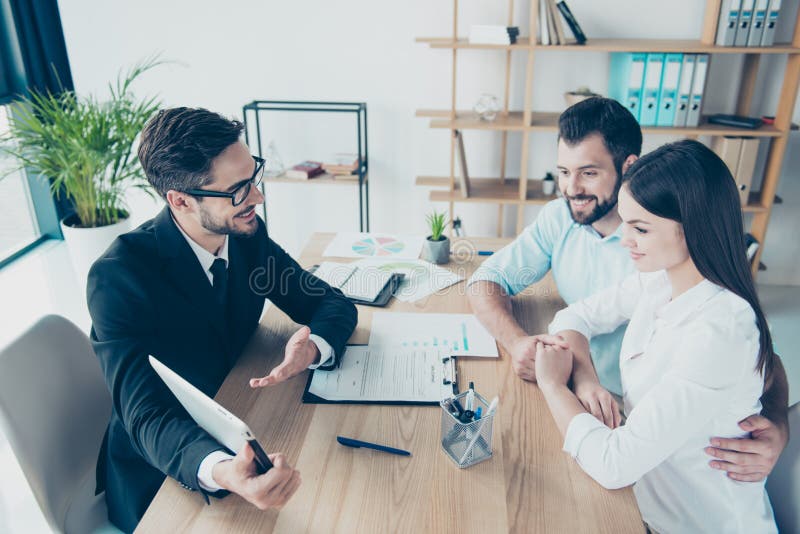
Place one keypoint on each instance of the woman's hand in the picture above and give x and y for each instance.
(553, 365)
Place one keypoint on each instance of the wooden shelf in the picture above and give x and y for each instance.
(687, 46)
(321, 179)
(491, 191)
(484, 190)
(447, 42)
(468, 120)
(526, 121)
(544, 121)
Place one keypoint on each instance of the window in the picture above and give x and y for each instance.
(18, 226)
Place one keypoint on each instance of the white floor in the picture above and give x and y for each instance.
(44, 282)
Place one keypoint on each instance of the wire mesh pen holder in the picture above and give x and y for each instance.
(467, 443)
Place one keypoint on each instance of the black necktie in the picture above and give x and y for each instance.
(220, 273)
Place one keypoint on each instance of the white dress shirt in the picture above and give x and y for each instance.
(206, 259)
(688, 373)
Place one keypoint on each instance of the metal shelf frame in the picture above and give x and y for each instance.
(253, 114)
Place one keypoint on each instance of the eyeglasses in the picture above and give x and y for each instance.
(239, 194)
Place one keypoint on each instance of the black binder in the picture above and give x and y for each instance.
(383, 297)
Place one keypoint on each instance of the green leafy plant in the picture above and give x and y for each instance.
(437, 224)
(83, 146)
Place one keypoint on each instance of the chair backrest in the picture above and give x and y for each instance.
(54, 408)
(783, 484)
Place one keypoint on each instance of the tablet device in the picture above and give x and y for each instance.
(225, 427)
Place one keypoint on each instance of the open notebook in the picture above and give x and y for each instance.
(362, 285)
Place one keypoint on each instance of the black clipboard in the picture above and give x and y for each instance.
(310, 398)
(383, 297)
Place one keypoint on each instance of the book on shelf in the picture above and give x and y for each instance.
(341, 164)
(544, 23)
(551, 29)
(747, 22)
(305, 170)
(463, 177)
(572, 22)
(659, 89)
(556, 17)
(740, 155)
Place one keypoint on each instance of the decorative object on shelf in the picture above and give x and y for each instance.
(463, 177)
(437, 246)
(486, 107)
(273, 164)
(549, 184)
(578, 95)
(84, 147)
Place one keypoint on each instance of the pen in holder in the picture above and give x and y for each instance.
(467, 439)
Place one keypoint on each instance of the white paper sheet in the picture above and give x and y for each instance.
(457, 334)
(369, 373)
(422, 278)
(371, 245)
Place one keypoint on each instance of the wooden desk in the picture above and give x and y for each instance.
(529, 485)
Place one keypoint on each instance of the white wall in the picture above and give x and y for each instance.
(355, 50)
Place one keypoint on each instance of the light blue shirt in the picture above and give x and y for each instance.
(583, 263)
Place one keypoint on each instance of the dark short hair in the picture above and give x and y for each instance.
(178, 146)
(606, 117)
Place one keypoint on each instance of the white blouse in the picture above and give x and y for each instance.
(688, 373)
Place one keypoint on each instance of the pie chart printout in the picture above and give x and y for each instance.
(378, 246)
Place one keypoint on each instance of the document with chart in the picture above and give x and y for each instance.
(454, 334)
(392, 375)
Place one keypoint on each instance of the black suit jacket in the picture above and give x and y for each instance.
(148, 294)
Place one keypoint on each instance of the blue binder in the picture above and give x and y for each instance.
(653, 71)
(669, 89)
(625, 80)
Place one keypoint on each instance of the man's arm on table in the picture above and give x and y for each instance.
(492, 306)
(523, 262)
(751, 460)
(330, 317)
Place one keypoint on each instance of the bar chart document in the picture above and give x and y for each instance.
(453, 334)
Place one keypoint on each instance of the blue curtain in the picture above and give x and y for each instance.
(33, 54)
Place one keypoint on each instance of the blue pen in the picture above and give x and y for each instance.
(349, 442)
(478, 412)
(485, 253)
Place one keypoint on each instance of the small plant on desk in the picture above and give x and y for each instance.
(437, 246)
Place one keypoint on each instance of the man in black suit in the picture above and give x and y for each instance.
(188, 287)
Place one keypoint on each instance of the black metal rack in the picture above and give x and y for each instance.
(254, 110)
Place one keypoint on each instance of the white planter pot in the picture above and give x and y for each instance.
(85, 245)
(548, 187)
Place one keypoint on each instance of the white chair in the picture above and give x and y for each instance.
(783, 485)
(54, 408)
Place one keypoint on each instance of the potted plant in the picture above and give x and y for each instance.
(84, 147)
(437, 246)
(578, 95)
(548, 184)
